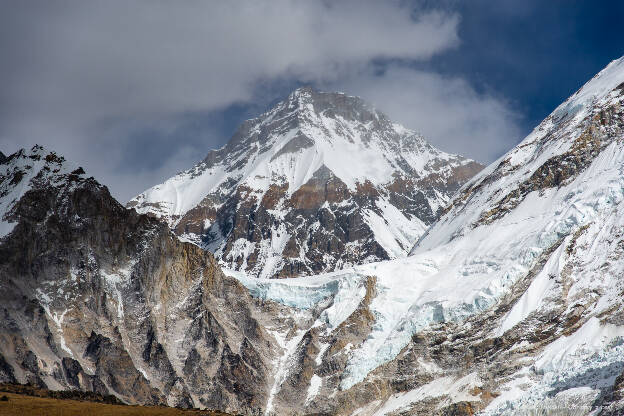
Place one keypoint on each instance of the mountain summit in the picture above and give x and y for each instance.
(320, 182)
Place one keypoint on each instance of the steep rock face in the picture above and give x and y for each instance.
(97, 297)
(320, 182)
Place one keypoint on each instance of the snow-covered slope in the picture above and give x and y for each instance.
(319, 182)
(513, 301)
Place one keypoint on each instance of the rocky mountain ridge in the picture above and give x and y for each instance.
(320, 182)
(98, 298)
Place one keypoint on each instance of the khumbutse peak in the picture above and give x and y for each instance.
(319, 182)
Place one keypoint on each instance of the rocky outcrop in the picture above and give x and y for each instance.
(603, 127)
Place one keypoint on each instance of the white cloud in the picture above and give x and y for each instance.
(446, 110)
(104, 59)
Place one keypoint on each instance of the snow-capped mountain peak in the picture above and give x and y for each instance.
(310, 149)
(26, 168)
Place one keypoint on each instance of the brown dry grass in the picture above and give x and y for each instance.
(21, 405)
